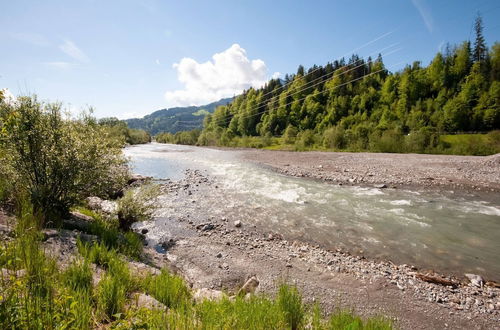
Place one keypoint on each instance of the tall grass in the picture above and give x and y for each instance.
(169, 289)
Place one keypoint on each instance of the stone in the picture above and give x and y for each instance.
(475, 280)
(237, 223)
(140, 269)
(77, 221)
(144, 231)
(250, 286)
(208, 294)
(380, 186)
(205, 226)
(219, 255)
(106, 206)
(146, 301)
(49, 233)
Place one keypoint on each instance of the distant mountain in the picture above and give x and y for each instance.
(175, 119)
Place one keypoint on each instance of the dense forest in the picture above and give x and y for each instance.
(359, 105)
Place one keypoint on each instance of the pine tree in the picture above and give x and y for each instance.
(479, 44)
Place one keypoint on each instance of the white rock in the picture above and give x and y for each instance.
(475, 280)
(208, 294)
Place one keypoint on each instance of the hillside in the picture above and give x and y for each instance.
(359, 105)
(175, 119)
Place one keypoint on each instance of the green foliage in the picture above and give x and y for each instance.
(120, 131)
(183, 137)
(347, 320)
(137, 205)
(168, 289)
(57, 161)
(111, 296)
(97, 253)
(110, 235)
(290, 304)
(78, 276)
(473, 144)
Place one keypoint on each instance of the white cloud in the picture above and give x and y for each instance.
(31, 38)
(8, 97)
(157, 61)
(60, 65)
(425, 12)
(70, 49)
(227, 74)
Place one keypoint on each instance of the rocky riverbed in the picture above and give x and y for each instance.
(218, 248)
(473, 173)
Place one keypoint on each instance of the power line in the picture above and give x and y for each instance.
(226, 120)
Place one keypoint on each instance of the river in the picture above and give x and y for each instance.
(444, 231)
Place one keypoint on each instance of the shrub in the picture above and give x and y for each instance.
(334, 138)
(58, 160)
(137, 205)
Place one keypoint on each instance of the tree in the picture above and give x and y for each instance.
(480, 50)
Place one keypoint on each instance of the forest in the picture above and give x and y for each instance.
(358, 105)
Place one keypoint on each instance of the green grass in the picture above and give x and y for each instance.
(78, 276)
(169, 289)
(127, 243)
(472, 144)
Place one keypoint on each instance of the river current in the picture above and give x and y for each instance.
(444, 231)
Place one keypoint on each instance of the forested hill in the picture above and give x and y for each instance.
(175, 119)
(350, 104)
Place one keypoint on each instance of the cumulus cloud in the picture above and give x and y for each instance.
(227, 74)
(72, 50)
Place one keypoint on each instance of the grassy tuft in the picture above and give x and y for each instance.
(168, 289)
(290, 304)
(78, 276)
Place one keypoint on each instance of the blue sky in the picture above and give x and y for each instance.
(128, 58)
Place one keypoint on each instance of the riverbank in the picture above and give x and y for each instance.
(220, 248)
(467, 173)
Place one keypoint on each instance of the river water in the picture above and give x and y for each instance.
(434, 230)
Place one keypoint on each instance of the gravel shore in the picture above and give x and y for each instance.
(470, 173)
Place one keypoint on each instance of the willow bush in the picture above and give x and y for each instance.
(58, 160)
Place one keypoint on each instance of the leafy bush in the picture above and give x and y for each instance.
(137, 205)
(334, 138)
(58, 161)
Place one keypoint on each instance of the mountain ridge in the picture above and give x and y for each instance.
(175, 119)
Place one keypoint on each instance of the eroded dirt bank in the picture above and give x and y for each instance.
(219, 248)
(439, 171)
